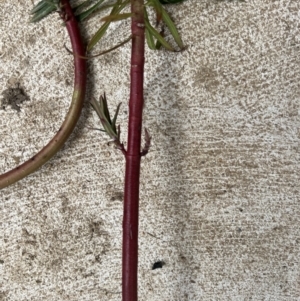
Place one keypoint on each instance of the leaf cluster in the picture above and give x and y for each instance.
(109, 125)
(43, 9)
(86, 9)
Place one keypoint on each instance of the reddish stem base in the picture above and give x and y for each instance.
(133, 156)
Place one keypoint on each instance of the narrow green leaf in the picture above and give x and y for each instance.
(81, 5)
(39, 6)
(42, 13)
(149, 37)
(82, 16)
(115, 117)
(172, 28)
(101, 110)
(158, 45)
(105, 107)
(98, 130)
(113, 18)
(158, 9)
(96, 107)
(43, 4)
(150, 40)
(117, 8)
(97, 36)
(157, 35)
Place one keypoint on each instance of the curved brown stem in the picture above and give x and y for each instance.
(73, 114)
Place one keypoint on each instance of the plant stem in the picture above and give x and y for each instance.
(133, 156)
(73, 114)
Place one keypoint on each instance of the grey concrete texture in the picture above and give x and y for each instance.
(219, 201)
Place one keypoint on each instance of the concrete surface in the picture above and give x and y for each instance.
(219, 188)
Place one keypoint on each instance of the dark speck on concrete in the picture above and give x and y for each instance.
(158, 265)
(13, 97)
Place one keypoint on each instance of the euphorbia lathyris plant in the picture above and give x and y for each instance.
(140, 28)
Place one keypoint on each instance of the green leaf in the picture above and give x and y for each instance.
(99, 108)
(39, 6)
(82, 16)
(97, 36)
(104, 106)
(150, 40)
(43, 9)
(149, 36)
(117, 8)
(172, 28)
(157, 35)
(158, 9)
(115, 117)
(167, 20)
(42, 4)
(102, 111)
(119, 17)
(158, 45)
(81, 5)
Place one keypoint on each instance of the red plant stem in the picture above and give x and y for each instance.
(73, 114)
(133, 156)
